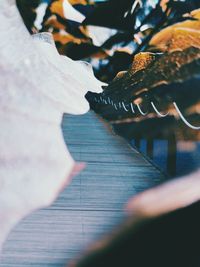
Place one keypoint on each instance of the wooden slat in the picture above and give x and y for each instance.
(90, 206)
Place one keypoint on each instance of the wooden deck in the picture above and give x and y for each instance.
(90, 206)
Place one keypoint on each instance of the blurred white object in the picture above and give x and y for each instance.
(71, 13)
(37, 86)
(40, 13)
(99, 34)
(70, 68)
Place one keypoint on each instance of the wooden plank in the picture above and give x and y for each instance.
(91, 206)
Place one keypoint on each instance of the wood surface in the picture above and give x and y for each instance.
(91, 206)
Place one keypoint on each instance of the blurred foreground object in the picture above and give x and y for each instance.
(37, 86)
(162, 230)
